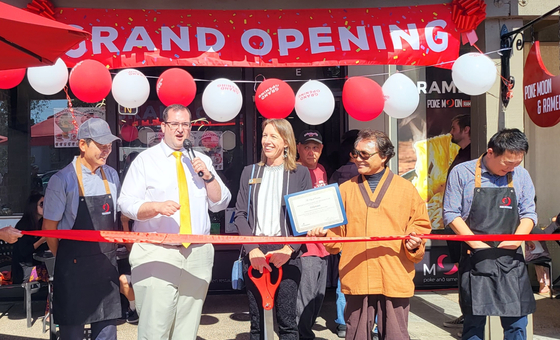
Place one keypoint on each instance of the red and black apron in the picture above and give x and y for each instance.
(86, 278)
(494, 281)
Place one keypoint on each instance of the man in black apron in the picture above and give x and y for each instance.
(493, 195)
(82, 196)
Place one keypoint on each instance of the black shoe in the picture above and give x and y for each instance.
(132, 317)
(341, 331)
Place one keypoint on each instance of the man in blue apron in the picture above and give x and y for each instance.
(82, 196)
(493, 195)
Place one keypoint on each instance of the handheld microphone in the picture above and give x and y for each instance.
(187, 144)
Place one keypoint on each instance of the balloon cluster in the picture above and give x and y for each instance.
(363, 99)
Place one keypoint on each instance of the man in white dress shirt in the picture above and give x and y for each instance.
(171, 281)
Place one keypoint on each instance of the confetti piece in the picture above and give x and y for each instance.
(245, 21)
(346, 23)
(155, 19)
(422, 20)
(434, 13)
(396, 57)
(414, 62)
(231, 21)
(348, 28)
(358, 50)
(357, 61)
(130, 19)
(176, 56)
(311, 18)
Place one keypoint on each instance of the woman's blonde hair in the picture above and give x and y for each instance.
(285, 130)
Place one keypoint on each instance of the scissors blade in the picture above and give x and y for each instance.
(268, 324)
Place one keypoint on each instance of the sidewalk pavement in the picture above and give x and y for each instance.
(225, 316)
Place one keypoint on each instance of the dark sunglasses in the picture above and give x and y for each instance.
(363, 154)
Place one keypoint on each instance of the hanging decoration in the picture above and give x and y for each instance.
(314, 103)
(48, 80)
(399, 35)
(274, 98)
(11, 78)
(474, 73)
(362, 98)
(176, 86)
(130, 88)
(43, 8)
(467, 15)
(222, 100)
(401, 96)
(90, 81)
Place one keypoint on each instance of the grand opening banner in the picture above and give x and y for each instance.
(412, 35)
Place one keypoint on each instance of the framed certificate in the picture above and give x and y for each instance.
(319, 207)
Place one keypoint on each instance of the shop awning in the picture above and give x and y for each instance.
(27, 39)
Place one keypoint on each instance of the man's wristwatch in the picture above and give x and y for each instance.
(210, 179)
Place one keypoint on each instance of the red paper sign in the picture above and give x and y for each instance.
(541, 90)
(415, 35)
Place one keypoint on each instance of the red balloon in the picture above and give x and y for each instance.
(362, 98)
(11, 78)
(90, 81)
(129, 133)
(275, 99)
(176, 86)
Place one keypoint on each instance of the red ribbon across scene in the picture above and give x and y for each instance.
(159, 238)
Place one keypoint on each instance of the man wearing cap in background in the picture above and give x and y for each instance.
(314, 262)
(83, 196)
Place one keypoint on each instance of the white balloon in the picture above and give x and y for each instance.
(401, 96)
(130, 88)
(48, 80)
(314, 103)
(222, 100)
(474, 73)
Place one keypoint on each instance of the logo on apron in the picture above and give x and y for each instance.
(506, 203)
(106, 209)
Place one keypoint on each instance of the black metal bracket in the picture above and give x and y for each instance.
(507, 39)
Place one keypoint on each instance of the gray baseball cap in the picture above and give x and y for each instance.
(98, 130)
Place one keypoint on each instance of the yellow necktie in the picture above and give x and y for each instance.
(185, 210)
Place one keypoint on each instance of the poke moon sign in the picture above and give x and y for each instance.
(541, 90)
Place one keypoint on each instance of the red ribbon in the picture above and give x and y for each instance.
(468, 14)
(43, 8)
(158, 238)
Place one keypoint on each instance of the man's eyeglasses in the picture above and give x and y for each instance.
(363, 154)
(175, 125)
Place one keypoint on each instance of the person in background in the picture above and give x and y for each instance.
(264, 214)
(377, 277)
(493, 195)
(10, 234)
(83, 196)
(163, 193)
(314, 261)
(341, 175)
(460, 135)
(24, 267)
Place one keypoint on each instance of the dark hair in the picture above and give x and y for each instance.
(174, 107)
(30, 219)
(463, 120)
(384, 145)
(512, 140)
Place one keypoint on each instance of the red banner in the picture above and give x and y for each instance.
(159, 238)
(541, 90)
(415, 35)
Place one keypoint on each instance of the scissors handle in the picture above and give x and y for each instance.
(265, 286)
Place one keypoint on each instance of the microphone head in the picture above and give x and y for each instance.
(187, 144)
